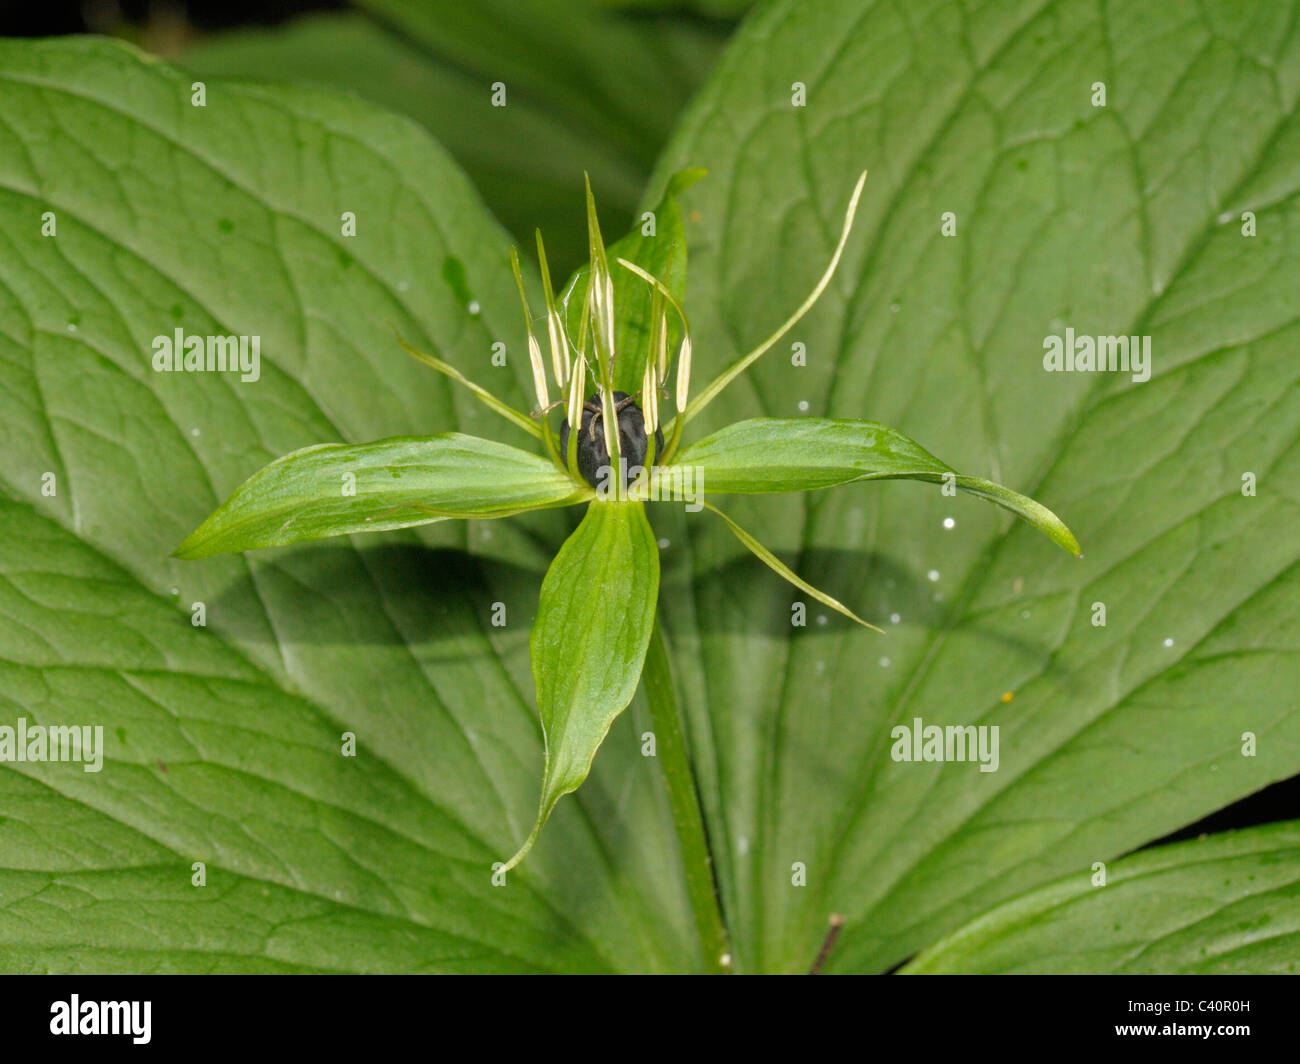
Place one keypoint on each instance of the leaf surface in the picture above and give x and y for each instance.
(331, 489)
(1122, 220)
(765, 455)
(227, 742)
(1224, 905)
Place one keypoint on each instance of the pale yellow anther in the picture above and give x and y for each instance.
(602, 313)
(560, 363)
(577, 384)
(539, 371)
(609, 423)
(609, 314)
(534, 349)
(660, 356)
(684, 373)
(650, 397)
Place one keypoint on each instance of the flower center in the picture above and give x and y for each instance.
(593, 456)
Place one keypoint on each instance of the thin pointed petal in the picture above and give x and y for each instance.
(780, 568)
(515, 417)
(727, 376)
(560, 364)
(663, 254)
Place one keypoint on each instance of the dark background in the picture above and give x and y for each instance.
(150, 23)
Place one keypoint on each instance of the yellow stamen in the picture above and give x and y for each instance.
(539, 371)
(650, 398)
(684, 373)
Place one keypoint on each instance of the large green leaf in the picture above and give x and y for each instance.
(331, 489)
(616, 80)
(223, 743)
(1123, 219)
(1227, 904)
(764, 455)
(589, 641)
(524, 159)
(587, 89)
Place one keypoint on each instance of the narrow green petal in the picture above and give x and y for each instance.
(661, 255)
(765, 455)
(781, 569)
(589, 642)
(743, 363)
(333, 489)
(497, 406)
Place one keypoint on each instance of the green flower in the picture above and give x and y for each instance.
(614, 452)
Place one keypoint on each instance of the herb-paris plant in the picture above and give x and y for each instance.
(613, 453)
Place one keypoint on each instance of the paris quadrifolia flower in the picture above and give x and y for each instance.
(612, 375)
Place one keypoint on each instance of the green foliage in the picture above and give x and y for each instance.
(222, 743)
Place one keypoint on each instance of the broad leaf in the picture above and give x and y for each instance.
(226, 744)
(763, 455)
(1227, 904)
(587, 89)
(527, 158)
(523, 160)
(331, 489)
(1119, 220)
(589, 641)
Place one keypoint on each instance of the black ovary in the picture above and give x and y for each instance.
(592, 454)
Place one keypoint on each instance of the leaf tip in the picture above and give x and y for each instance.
(190, 548)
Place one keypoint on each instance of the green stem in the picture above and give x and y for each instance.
(670, 748)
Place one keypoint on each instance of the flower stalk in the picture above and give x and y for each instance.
(683, 798)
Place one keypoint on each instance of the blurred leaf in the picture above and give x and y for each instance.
(522, 171)
(436, 61)
(725, 9)
(1228, 904)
